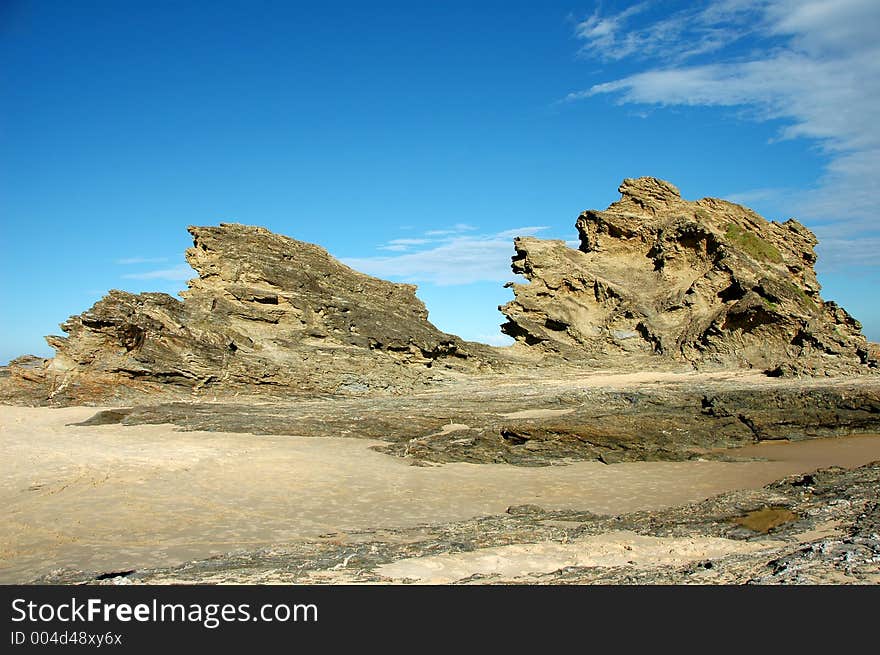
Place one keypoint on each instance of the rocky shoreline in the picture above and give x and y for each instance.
(527, 423)
(677, 331)
(658, 281)
(818, 528)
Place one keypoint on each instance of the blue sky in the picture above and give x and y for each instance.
(414, 140)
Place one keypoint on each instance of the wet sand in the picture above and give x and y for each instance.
(111, 498)
(612, 549)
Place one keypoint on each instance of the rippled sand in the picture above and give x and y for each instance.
(110, 498)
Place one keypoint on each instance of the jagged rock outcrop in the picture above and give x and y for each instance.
(265, 312)
(707, 282)
(657, 280)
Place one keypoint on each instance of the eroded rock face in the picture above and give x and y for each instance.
(707, 282)
(265, 311)
(657, 281)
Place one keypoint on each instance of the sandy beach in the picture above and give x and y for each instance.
(113, 498)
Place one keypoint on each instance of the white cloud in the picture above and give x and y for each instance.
(175, 274)
(409, 242)
(400, 245)
(455, 229)
(677, 36)
(838, 254)
(605, 36)
(455, 260)
(452, 258)
(760, 195)
(818, 72)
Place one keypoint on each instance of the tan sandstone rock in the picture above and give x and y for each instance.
(657, 281)
(266, 312)
(707, 282)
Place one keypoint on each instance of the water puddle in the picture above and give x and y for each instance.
(766, 519)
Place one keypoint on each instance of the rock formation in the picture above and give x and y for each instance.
(657, 280)
(265, 312)
(707, 282)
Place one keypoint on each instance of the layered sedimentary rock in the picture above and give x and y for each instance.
(265, 312)
(525, 423)
(707, 282)
(656, 281)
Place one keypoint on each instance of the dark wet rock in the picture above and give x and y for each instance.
(108, 417)
(526, 510)
(483, 423)
(115, 575)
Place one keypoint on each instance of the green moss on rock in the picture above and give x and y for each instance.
(753, 245)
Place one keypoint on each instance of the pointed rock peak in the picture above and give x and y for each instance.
(648, 193)
(232, 252)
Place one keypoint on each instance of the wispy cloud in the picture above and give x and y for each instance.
(400, 245)
(459, 255)
(128, 261)
(605, 36)
(455, 229)
(175, 274)
(818, 72)
(841, 254)
(698, 29)
(448, 258)
(761, 195)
